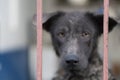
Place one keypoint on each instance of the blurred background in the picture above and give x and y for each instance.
(18, 37)
(114, 39)
(17, 40)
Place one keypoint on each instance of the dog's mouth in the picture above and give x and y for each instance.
(73, 68)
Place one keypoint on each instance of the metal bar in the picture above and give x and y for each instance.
(105, 61)
(39, 40)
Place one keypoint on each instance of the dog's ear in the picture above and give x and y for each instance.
(45, 18)
(49, 19)
(98, 21)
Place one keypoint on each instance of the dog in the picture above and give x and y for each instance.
(75, 37)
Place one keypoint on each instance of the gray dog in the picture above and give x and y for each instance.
(75, 39)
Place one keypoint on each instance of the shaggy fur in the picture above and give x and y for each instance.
(75, 38)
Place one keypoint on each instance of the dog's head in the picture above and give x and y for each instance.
(74, 36)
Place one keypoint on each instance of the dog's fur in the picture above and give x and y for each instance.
(75, 35)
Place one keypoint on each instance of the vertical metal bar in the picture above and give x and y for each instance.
(105, 61)
(39, 40)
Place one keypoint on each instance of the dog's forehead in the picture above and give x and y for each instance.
(74, 17)
(75, 20)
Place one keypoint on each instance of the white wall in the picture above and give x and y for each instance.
(15, 17)
(15, 23)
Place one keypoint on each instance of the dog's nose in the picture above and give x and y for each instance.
(71, 59)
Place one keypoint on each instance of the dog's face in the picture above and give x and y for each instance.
(74, 36)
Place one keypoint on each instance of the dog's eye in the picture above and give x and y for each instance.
(61, 34)
(85, 34)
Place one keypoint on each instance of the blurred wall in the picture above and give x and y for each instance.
(15, 20)
(16, 38)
